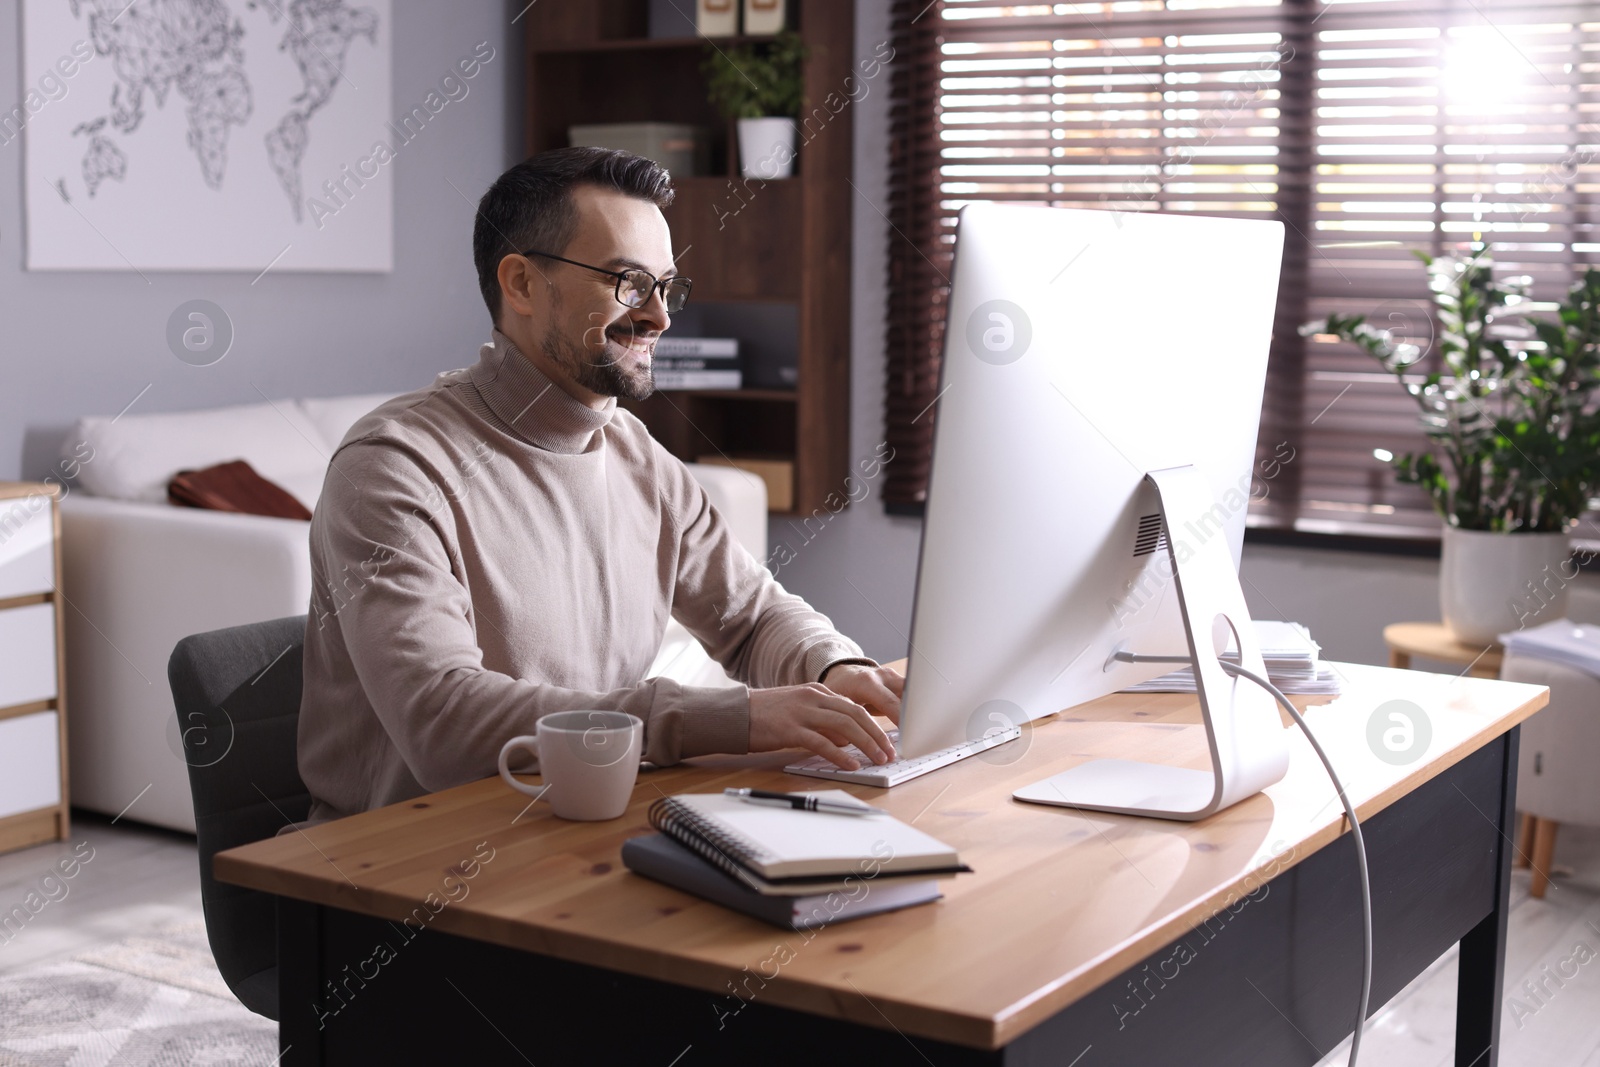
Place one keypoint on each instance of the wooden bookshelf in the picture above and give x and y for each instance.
(785, 241)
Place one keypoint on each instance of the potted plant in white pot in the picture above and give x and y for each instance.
(1513, 456)
(760, 86)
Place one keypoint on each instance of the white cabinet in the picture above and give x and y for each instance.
(30, 755)
(27, 654)
(27, 546)
(33, 714)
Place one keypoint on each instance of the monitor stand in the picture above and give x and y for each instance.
(1249, 750)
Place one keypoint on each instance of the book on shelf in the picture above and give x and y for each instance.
(660, 858)
(666, 378)
(694, 362)
(722, 347)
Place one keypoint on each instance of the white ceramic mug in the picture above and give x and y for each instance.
(589, 761)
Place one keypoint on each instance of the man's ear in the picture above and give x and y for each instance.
(519, 285)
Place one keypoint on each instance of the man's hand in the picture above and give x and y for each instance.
(876, 688)
(818, 719)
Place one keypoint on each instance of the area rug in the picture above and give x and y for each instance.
(154, 999)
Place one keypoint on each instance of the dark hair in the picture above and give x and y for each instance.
(530, 205)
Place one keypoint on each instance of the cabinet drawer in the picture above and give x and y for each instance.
(30, 763)
(27, 547)
(27, 654)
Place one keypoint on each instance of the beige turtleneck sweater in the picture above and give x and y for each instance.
(487, 550)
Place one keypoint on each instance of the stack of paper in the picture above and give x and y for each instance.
(1568, 643)
(1292, 658)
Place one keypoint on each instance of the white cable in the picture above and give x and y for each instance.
(1349, 813)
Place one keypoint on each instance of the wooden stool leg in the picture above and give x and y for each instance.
(1399, 660)
(1544, 850)
(1524, 847)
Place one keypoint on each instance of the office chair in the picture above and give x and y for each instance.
(237, 693)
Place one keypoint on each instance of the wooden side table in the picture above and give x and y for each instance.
(1433, 640)
(33, 714)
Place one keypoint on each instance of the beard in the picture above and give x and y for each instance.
(607, 372)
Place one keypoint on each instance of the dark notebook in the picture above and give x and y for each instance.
(660, 858)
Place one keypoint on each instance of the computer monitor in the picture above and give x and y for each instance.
(1092, 466)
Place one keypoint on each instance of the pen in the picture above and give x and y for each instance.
(801, 802)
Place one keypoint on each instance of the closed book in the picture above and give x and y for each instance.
(783, 845)
(659, 362)
(697, 379)
(662, 859)
(697, 346)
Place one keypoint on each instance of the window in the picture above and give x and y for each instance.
(1368, 128)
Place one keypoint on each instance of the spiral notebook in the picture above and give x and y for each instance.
(781, 843)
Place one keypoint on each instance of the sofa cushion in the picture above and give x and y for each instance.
(135, 456)
(334, 415)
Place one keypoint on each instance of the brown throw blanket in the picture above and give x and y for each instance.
(234, 487)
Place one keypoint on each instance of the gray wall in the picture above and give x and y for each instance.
(86, 343)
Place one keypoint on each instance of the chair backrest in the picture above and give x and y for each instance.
(237, 694)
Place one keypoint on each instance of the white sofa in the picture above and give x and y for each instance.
(139, 574)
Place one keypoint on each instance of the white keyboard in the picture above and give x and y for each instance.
(896, 771)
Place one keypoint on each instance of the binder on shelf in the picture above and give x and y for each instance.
(717, 18)
(764, 16)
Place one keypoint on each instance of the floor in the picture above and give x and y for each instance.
(131, 877)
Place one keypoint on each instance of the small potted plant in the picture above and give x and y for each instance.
(1513, 455)
(759, 85)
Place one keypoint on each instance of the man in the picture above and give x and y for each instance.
(507, 542)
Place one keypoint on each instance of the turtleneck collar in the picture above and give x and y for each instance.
(536, 408)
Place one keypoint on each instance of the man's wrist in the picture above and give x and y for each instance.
(860, 660)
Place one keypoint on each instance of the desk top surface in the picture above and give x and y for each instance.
(1061, 902)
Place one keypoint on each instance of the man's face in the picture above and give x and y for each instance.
(585, 331)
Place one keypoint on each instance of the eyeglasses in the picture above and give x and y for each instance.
(635, 287)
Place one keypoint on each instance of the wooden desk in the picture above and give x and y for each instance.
(1147, 941)
(1433, 640)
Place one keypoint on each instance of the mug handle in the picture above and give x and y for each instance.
(528, 742)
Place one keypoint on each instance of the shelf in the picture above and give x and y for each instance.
(648, 44)
(781, 396)
(784, 243)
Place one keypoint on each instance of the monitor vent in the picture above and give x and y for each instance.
(1151, 536)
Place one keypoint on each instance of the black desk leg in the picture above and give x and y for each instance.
(299, 965)
(1481, 979)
